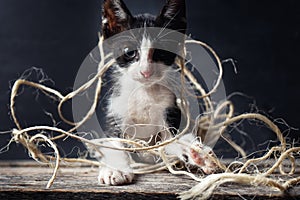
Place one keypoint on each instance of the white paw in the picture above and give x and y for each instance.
(110, 176)
(204, 158)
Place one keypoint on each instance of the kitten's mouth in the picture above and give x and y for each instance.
(145, 81)
(155, 78)
(148, 81)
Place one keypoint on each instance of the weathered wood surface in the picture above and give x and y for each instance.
(27, 180)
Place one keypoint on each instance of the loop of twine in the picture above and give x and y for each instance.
(206, 185)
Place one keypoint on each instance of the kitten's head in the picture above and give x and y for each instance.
(141, 55)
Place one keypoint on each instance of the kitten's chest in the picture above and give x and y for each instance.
(142, 106)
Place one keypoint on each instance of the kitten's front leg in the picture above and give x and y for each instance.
(117, 169)
(110, 176)
(205, 158)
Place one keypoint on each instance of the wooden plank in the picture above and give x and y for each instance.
(27, 180)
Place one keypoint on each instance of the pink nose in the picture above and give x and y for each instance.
(146, 74)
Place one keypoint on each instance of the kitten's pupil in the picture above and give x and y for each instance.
(129, 54)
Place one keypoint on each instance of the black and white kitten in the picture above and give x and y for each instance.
(140, 106)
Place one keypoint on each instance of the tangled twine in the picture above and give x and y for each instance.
(204, 189)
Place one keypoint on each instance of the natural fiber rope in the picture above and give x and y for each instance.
(206, 185)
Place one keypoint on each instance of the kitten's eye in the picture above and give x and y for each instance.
(129, 54)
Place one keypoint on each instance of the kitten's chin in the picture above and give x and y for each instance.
(146, 81)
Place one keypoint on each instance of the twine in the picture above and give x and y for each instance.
(31, 136)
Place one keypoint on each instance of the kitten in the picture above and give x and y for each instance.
(139, 103)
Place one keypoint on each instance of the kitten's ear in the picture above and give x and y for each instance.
(115, 17)
(173, 16)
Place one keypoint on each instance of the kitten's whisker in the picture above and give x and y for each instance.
(133, 36)
(175, 80)
(103, 97)
(169, 32)
(111, 80)
(167, 24)
(178, 85)
(169, 40)
(93, 58)
(126, 38)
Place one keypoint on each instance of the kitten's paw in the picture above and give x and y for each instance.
(110, 176)
(205, 158)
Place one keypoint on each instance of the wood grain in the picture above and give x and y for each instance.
(27, 180)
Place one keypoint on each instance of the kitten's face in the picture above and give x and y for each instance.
(140, 55)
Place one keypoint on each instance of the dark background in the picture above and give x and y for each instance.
(56, 35)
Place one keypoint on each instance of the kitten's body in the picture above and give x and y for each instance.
(142, 106)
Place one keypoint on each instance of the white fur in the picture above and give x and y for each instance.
(104, 20)
(142, 101)
(109, 176)
(157, 70)
(144, 53)
(139, 111)
(141, 107)
(116, 170)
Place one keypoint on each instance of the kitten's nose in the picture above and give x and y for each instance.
(146, 74)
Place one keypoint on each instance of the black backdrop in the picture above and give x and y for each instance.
(56, 35)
